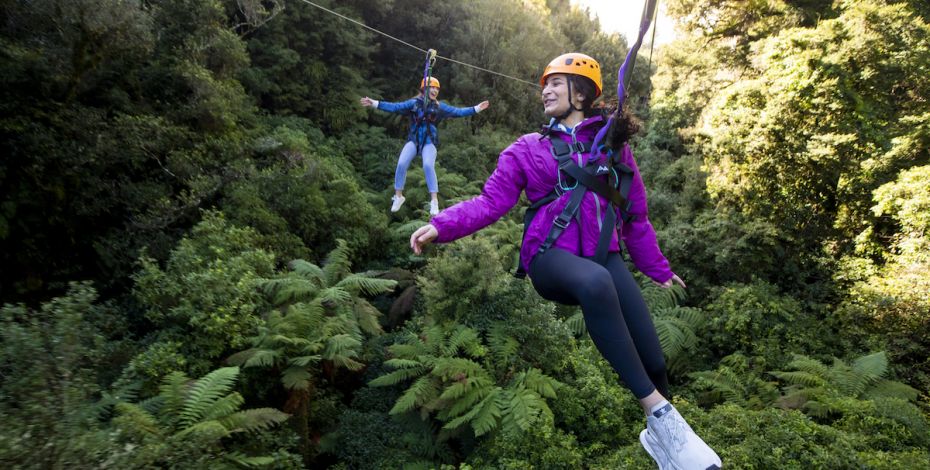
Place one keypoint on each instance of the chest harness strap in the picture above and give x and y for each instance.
(615, 191)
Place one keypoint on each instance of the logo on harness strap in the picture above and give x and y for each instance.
(602, 170)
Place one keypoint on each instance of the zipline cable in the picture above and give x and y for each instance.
(308, 2)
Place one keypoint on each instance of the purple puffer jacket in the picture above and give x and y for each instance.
(528, 164)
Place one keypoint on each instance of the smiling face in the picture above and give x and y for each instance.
(433, 92)
(555, 95)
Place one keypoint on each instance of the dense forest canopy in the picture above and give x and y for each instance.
(199, 268)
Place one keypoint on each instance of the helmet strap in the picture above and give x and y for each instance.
(571, 106)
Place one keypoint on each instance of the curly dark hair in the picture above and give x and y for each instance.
(624, 125)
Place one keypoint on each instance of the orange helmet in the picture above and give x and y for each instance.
(577, 64)
(433, 82)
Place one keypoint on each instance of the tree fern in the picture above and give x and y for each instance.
(421, 391)
(191, 413)
(252, 420)
(320, 319)
(307, 270)
(448, 379)
(337, 263)
(205, 392)
(822, 391)
(503, 347)
(735, 381)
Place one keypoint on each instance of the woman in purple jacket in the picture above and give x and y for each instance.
(564, 270)
(422, 137)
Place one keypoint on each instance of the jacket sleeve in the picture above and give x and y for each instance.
(397, 108)
(500, 193)
(452, 111)
(638, 234)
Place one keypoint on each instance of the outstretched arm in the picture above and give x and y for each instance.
(452, 111)
(501, 192)
(398, 108)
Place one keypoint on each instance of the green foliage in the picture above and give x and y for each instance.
(49, 396)
(757, 321)
(849, 395)
(738, 380)
(450, 381)
(773, 438)
(472, 269)
(206, 299)
(188, 422)
(318, 324)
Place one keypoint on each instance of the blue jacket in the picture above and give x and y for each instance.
(423, 121)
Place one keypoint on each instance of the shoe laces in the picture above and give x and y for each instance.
(673, 430)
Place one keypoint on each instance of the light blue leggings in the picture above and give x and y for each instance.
(429, 166)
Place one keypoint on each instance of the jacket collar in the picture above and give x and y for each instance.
(586, 128)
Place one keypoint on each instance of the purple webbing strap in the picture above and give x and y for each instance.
(624, 74)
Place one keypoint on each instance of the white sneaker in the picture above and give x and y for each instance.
(684, 449)
(433, 207)
(396, 202)
(654, 449)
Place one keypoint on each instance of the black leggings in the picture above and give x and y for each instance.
(614, 312)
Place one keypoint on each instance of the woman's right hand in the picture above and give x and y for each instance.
(367, 102)
(423, 236)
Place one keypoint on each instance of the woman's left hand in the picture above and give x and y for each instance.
(483, 105)
(668, 283)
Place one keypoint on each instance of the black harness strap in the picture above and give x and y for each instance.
(587, 177)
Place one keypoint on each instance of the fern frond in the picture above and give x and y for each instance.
(484, 416)
(140, 421)
(871, 367)
(223, 407)
(306, 270)
(504, 347)
(305, 317)
(205, 391)
(346, 362)
(253, 420)
(421, 391)
(296, 378)
(241, 460)
(462, 338)
(203, 431)
(361, 284)
(675, 335)
(398, 376)
(463, 394)
(522, 409)
(846, 380)
(892, 389)
(304, 361)
(533, 379)
(451, 367)
(658, 298)
(817, 409)
(800, 378)
(342, 344)
(576, 323)
(334, 296)
(724, 382)
(173, 393)
(809, 365)
(337, 263)
(367, 317)
(289, 290)
(399, 363)
(262, 358)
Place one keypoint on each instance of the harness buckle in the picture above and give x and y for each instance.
(561, 222)
(578, 147)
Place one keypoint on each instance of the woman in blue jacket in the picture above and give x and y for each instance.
(422, 138)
